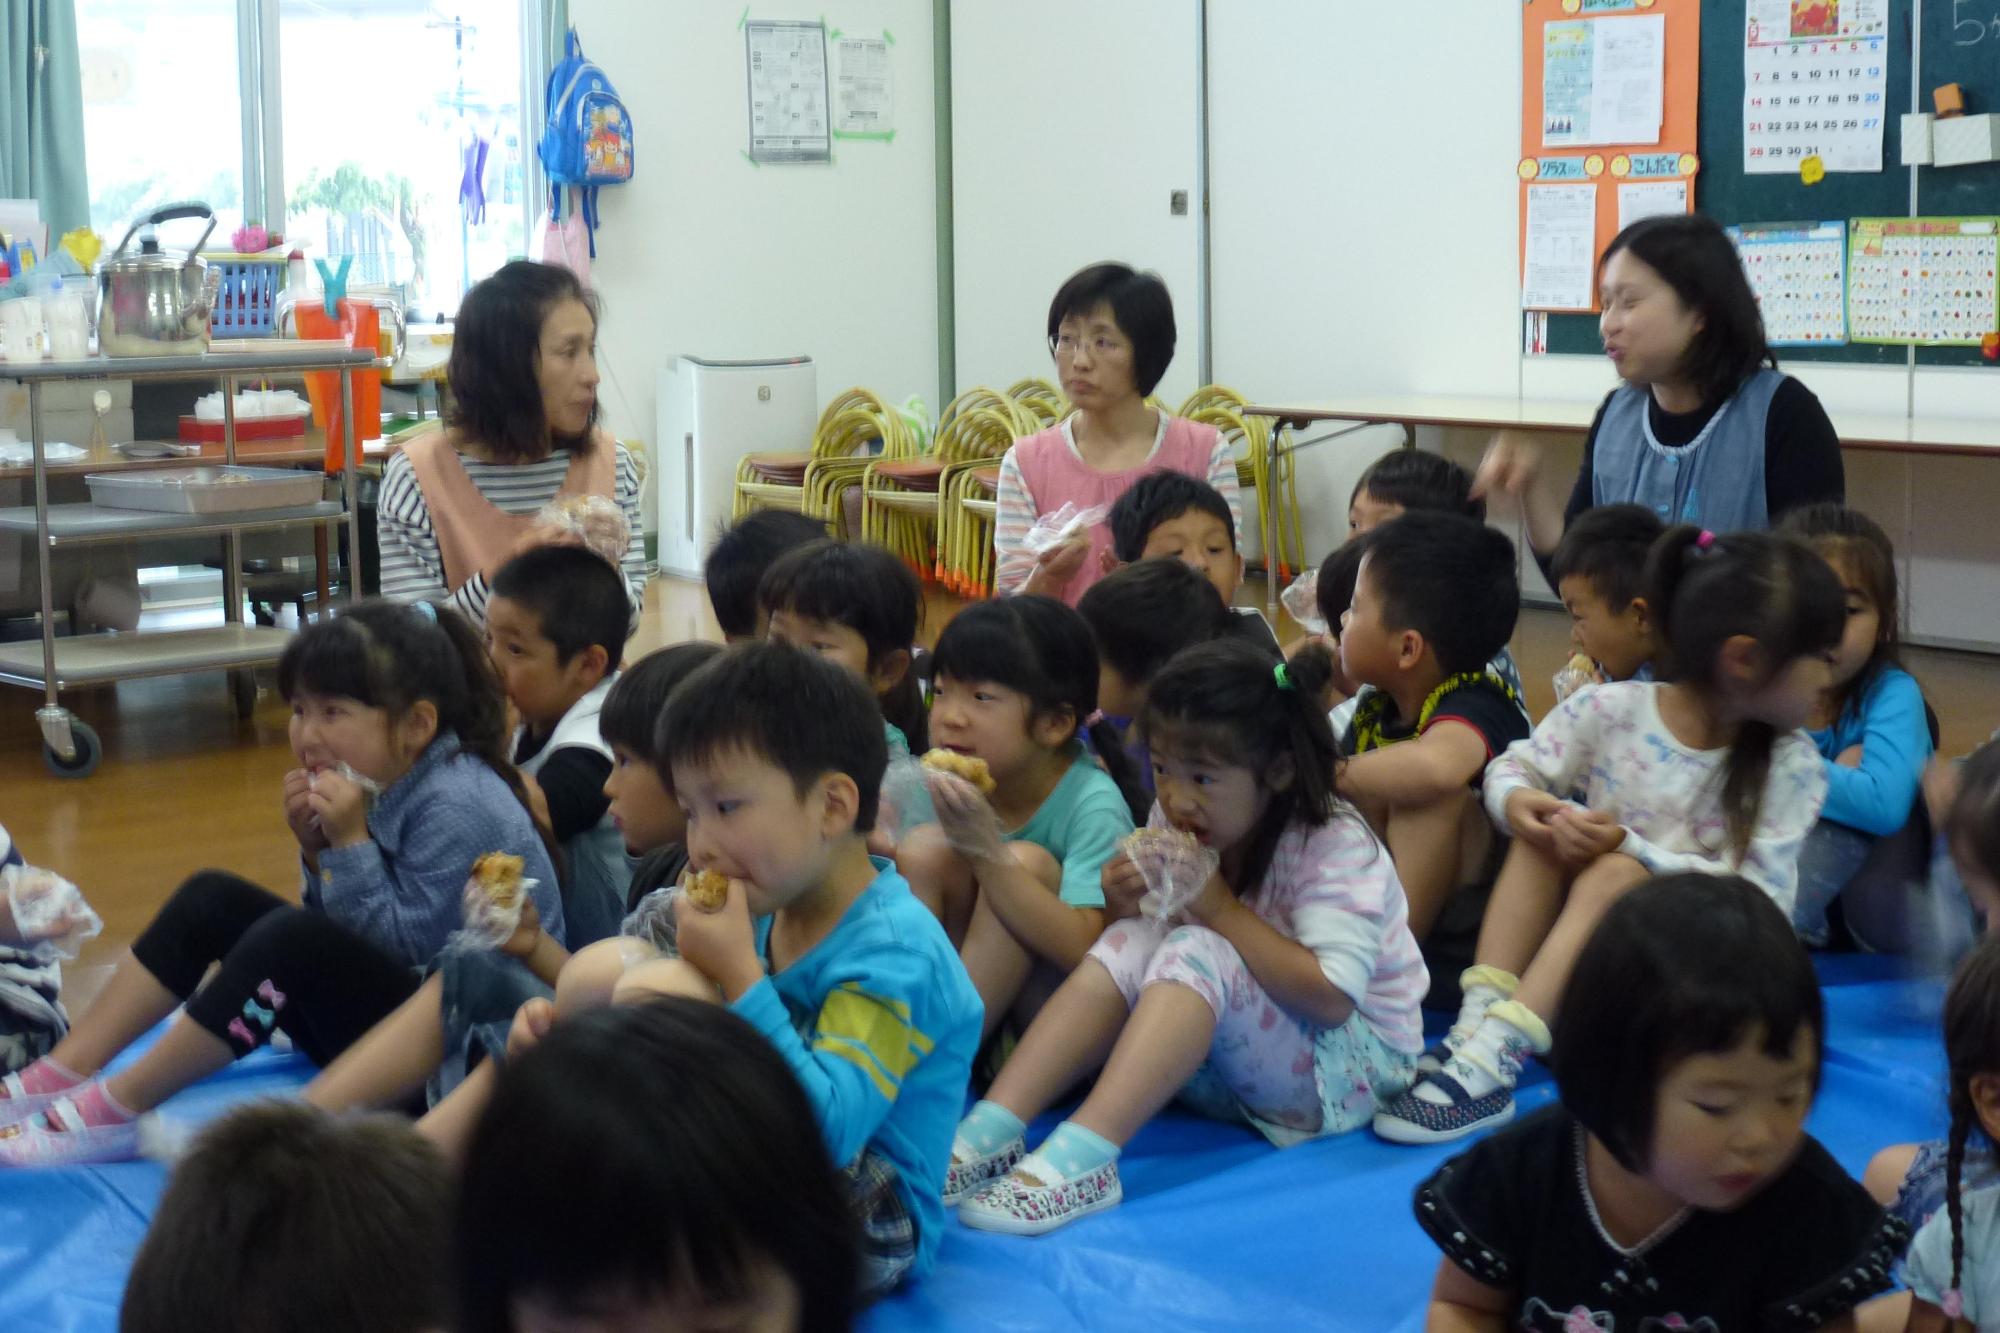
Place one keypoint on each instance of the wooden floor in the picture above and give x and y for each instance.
(185, 786)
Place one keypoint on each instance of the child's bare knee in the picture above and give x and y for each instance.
(1609, 878)
(1884, 1178)
(591, 975)
(664, 976)
(1037, 861)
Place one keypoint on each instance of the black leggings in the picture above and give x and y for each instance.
(282, 967)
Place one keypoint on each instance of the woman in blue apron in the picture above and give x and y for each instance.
(1704, 429)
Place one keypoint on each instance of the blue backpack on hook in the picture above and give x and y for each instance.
(587, 141)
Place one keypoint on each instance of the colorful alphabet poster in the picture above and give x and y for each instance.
(1799, 273)
(1927, 281)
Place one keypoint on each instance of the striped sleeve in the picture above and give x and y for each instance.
(1014, 514)
(412, 569)
(634, 564)
(1222, 476)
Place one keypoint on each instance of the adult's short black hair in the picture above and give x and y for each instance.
(1333, 587)
(786, 705)
(576, 596)
(1683, 965)
(1159, 497)
(641, 1146)
(742, 553)
(1139, 306)
(286, 1218)
(1449, 578)
(630, 718)
(1608, 547)
(1143, 614)
(496, 348)
(1415, 479)
(1694, 256)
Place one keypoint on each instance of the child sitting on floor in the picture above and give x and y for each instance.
(1598, 568)
(395, 697)
(658, 1166)
(460, 1016)
(1434, 601)
(556, 618)
(1174, 516)
(1284, 993)
(1708, 773)
(1014, 874)
(1674, 1186)
(285, 1219)
(1873, 730)
(736, 563)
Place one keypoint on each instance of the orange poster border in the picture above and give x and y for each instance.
(1682, 74)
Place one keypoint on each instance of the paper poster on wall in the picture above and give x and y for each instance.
(1815, 80)
(1929, 281)
(863, 104)
(788, 92)
(1556, 273)
(1799, 273)
(1603, 81)
(1650, 199)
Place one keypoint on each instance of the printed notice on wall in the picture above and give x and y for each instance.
(1650, 199)
(863, 104)
(1815, 83)
(1603, 81)
(788, 113)
(1557, 269)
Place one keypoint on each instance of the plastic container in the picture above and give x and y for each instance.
(206, 490)
(246, 304)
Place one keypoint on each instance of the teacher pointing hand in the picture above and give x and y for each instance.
(1705, 429)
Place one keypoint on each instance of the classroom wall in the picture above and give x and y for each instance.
(1071, 126)
(705, 253)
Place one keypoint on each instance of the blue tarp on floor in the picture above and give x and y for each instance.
(1217, 1231)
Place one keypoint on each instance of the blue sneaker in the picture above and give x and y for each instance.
(1411, 1119)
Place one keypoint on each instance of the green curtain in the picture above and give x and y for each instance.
(41, 112)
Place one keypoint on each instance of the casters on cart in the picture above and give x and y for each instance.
(70, 747)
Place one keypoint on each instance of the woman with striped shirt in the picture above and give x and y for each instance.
(459, 502)
(1112, 332)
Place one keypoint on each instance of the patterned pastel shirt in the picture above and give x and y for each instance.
(1609, 743)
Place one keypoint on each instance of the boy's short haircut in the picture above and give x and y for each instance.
(1608, 547)
(288, 1219)
(1683, 965)
(1415, 479)
(630, 717)
(1143, 614)
(577, 597)
(1157, 498)
(736, 563)
(1334, 586)
(787, 706)
(1449, 578)
(655, 1150)
(1140, 306)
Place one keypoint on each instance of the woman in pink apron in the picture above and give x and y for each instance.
(1111, 331)
(458, 502)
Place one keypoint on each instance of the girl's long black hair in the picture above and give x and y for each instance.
(1971, 1048)
(391, 655)
(1705, 590)
(1237, 703)
(1039, 647)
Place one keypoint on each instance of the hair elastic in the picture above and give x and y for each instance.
(1706, 540)
(428, 610)
(1096, 716)
(1282, 676)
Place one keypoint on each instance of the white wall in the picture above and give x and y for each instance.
(706, 253)
(1072, 123)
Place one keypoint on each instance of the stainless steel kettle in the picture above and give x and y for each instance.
(153, 304)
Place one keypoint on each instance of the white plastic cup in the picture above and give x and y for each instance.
(68, 315)
(22, 332)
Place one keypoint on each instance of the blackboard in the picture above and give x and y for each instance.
(1961, 44)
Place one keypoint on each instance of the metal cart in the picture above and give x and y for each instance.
(70, 747)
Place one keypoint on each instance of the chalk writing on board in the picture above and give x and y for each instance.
(1973, 21)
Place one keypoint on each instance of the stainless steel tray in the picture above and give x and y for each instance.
(205, 490)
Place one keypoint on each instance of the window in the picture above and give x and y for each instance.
(399, 131)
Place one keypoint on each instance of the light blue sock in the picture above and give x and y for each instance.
(1071, 1151)
(988, 1127)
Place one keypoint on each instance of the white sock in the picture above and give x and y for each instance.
(1480, 988)
(1491, 1058)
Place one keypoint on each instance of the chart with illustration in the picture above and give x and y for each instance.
(1799, 273)
(1927, 281)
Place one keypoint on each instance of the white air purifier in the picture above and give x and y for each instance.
(711, 414)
